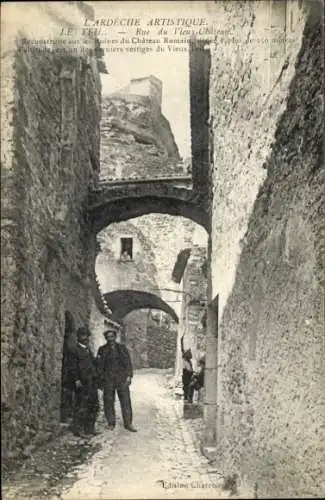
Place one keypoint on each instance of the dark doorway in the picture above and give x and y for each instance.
(211, 377)
(67, 383)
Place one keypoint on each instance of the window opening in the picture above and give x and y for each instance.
(126, 249)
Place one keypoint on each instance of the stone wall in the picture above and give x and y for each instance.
(156, 241)
(113, 272)
(168, 235)
(194, 300)
(267, 250)
(50, 150)
(135, 332)
(243, 113)
(137, 140)
(161, 340)
(154, 238)
(195, 296)
(140, 274)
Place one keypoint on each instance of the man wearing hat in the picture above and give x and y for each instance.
(84, 378)
(115, 375)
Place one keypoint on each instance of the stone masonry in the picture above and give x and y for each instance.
(50, 159)
(161, 340)
(193, 282)
(137, 141)
(137, 274)
(266, 111)
(155, 240)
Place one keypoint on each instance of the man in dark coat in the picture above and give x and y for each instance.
(115, 375)
(84, 377)
(67, 386)
(197, 381)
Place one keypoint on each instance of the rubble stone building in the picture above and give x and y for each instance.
(137, 140)
(161, 339)
(137, 255)
(130, 285)
(264, 416)
(51, 106)
(51, 164)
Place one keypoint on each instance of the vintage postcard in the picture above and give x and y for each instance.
(162, 250)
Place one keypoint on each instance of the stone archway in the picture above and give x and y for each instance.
(112, 205)
(122, 302)
(148, 340)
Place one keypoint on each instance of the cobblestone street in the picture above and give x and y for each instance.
(160, 461)
(162, 244)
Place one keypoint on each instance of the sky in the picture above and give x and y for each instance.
(172, 68)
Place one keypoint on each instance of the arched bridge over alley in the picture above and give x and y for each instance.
(122, 302)
(120, 200)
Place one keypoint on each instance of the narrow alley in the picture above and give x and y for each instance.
(162, 460)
